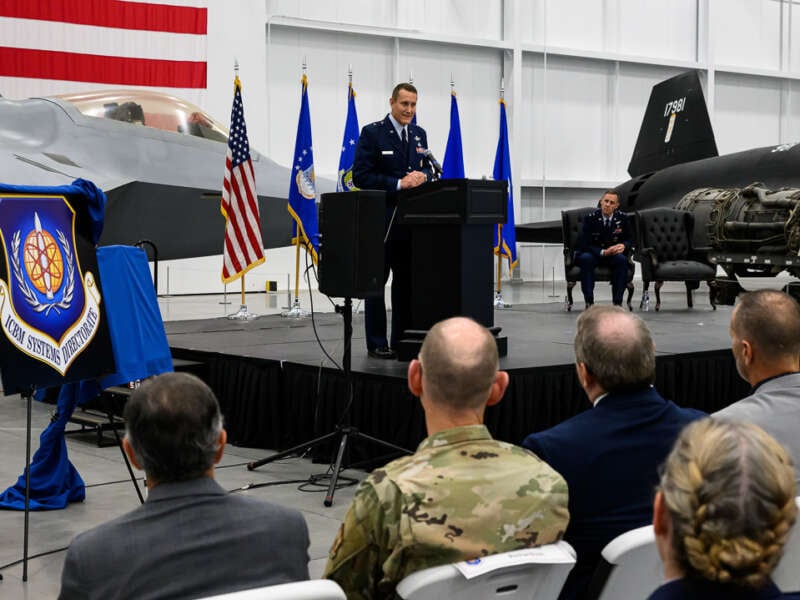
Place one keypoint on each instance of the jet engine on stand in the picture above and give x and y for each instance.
(748, 232)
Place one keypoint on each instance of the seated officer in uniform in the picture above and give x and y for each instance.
(605, 240)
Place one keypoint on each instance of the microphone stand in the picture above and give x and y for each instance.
(434, 165)
(343, 432)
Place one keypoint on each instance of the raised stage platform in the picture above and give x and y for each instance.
(277, 388)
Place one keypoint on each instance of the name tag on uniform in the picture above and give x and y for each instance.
(387, 152)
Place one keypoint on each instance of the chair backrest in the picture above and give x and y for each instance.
(520, 574)
(314, 589)
(633, 566)
(667, 231)
(635, 569)
(572, 225)
(787, 574)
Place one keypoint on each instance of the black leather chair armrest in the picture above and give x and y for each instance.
(569, 257)
(649, 254)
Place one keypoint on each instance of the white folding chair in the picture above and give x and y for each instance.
(315, 589)
(520, 574)
(631, 566)
(787, 574)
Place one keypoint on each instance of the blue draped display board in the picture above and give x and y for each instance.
(140, 350)
(52, 310)
(134, 319)
(135, 342)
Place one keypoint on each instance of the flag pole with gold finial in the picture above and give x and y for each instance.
(498, 294)
(296, 311)
(242, 314)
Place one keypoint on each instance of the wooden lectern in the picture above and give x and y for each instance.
(452, 223)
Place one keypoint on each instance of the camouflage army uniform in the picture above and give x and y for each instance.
(461, 496)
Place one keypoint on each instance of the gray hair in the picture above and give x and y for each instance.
(173, 423)
(616, 348)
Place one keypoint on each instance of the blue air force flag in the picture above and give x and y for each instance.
(505, 235)
(453, 163)
(50, 295)
(344, 181)
(302, 190)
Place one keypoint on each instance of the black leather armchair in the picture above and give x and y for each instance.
(665, 250)
(571, 228)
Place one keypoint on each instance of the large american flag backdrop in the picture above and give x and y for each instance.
(54, 46)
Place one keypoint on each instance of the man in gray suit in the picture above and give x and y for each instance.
(765, 339)
(190, 538)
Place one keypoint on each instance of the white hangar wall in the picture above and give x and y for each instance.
(577, 77)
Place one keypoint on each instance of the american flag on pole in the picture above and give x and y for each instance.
(243, 246)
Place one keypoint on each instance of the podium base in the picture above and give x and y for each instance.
(409, 345)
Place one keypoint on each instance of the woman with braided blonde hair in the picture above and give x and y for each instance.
(723, 512)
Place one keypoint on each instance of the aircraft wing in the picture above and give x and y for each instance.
(542, 232)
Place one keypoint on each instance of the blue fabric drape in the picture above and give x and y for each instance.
(95, 200)
(140, 350)
(54, 480)
(134, 319)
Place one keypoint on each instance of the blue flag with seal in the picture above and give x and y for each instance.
(505, 236)
(344, 181)
(453, 163)
(302, 190)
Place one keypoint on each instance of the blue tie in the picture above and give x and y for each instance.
(404, 145)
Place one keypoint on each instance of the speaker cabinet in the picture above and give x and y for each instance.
(351, 226)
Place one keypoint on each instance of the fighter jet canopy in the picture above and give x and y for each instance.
(151, 109)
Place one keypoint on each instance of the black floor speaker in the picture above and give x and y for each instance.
(351, 226)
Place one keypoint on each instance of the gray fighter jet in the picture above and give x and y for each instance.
(159, 159)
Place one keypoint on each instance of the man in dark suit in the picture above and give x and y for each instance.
(390, 157)
(609, 454)
(191, 538)
(605, 240)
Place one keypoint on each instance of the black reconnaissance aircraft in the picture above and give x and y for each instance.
(676, 153)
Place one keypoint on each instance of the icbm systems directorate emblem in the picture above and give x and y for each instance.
(49, 309)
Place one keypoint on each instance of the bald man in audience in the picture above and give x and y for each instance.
(765, 340)
(462, 495)
(610, 454)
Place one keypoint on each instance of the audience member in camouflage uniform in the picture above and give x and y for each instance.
(462, 495)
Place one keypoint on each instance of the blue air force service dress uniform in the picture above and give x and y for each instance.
(597, 235)
(380, 161)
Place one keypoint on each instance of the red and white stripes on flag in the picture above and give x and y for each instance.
(243, 246)
(111, 42)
